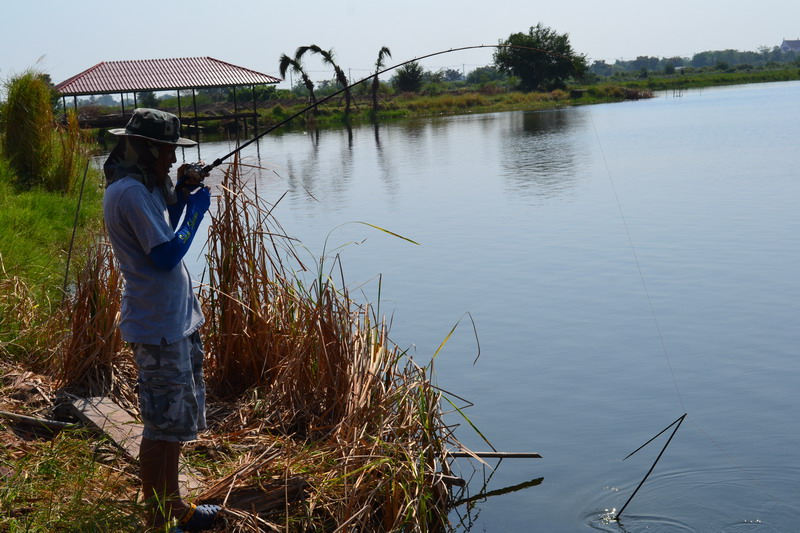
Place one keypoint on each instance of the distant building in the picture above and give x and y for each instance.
(790, 46)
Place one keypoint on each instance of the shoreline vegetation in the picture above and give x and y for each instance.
(307, 391)
(444, 99)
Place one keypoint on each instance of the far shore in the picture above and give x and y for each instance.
(216, 117)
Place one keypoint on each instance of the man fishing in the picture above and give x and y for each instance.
(151, 224)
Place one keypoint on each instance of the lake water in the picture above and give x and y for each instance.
(623, 264)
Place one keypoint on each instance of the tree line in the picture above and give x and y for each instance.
(725, 60)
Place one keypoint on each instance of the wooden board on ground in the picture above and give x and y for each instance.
(106, 416)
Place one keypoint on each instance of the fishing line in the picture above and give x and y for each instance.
(638, 264)
(74, 230)
(649, 299)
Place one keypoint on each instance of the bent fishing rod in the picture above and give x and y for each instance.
(203, 171)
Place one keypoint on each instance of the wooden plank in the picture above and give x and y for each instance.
(106, 416)
(109, 418)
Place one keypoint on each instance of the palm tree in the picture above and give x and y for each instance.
(384, 52)
(286, 62)
(327, 57)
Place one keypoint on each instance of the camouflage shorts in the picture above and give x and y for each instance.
(171, 389)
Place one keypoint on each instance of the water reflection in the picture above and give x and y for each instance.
(465, 508)
(385, 164)
(542, 153)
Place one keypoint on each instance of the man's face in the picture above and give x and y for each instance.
(166, 157)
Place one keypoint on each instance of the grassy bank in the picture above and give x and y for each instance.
(36, 228)
(491, 99)
(410, 105)
(715, 78)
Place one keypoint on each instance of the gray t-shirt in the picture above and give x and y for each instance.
(157, 304)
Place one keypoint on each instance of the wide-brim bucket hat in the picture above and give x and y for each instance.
(154, 125)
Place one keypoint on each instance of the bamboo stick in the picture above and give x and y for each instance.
(497, 455)
(31, 421)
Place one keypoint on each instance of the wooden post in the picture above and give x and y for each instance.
(196, 123)
(75, 103)
(236, 113)
(180, 119)
(255, 111)
(135, 103)
(122, 101)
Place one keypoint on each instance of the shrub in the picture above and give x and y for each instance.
(434, 89)
(28, 123)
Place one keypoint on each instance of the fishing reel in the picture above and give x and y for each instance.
(195, 173)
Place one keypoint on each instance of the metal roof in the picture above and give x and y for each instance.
(160, 75)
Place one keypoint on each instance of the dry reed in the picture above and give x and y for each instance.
(358, 422)
(20, 319)
(91, 350)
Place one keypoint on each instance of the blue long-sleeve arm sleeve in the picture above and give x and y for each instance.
(167, 255)
(176, 210)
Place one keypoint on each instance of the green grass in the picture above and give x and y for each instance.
(70, 483)
(35, 232)
(36, 228)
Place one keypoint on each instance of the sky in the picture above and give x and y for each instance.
(66, 38)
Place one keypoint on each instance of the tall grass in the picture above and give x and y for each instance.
(71, 152)
(316, 367)
(40, 153)
(91, 350)
(28, 124)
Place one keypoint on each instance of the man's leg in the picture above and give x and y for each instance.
(158, 465)
(168, 400)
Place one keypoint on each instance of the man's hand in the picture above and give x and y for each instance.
(189, 177)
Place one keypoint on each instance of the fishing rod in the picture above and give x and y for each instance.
(199, 171)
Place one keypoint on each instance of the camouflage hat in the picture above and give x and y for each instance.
(154, 125)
